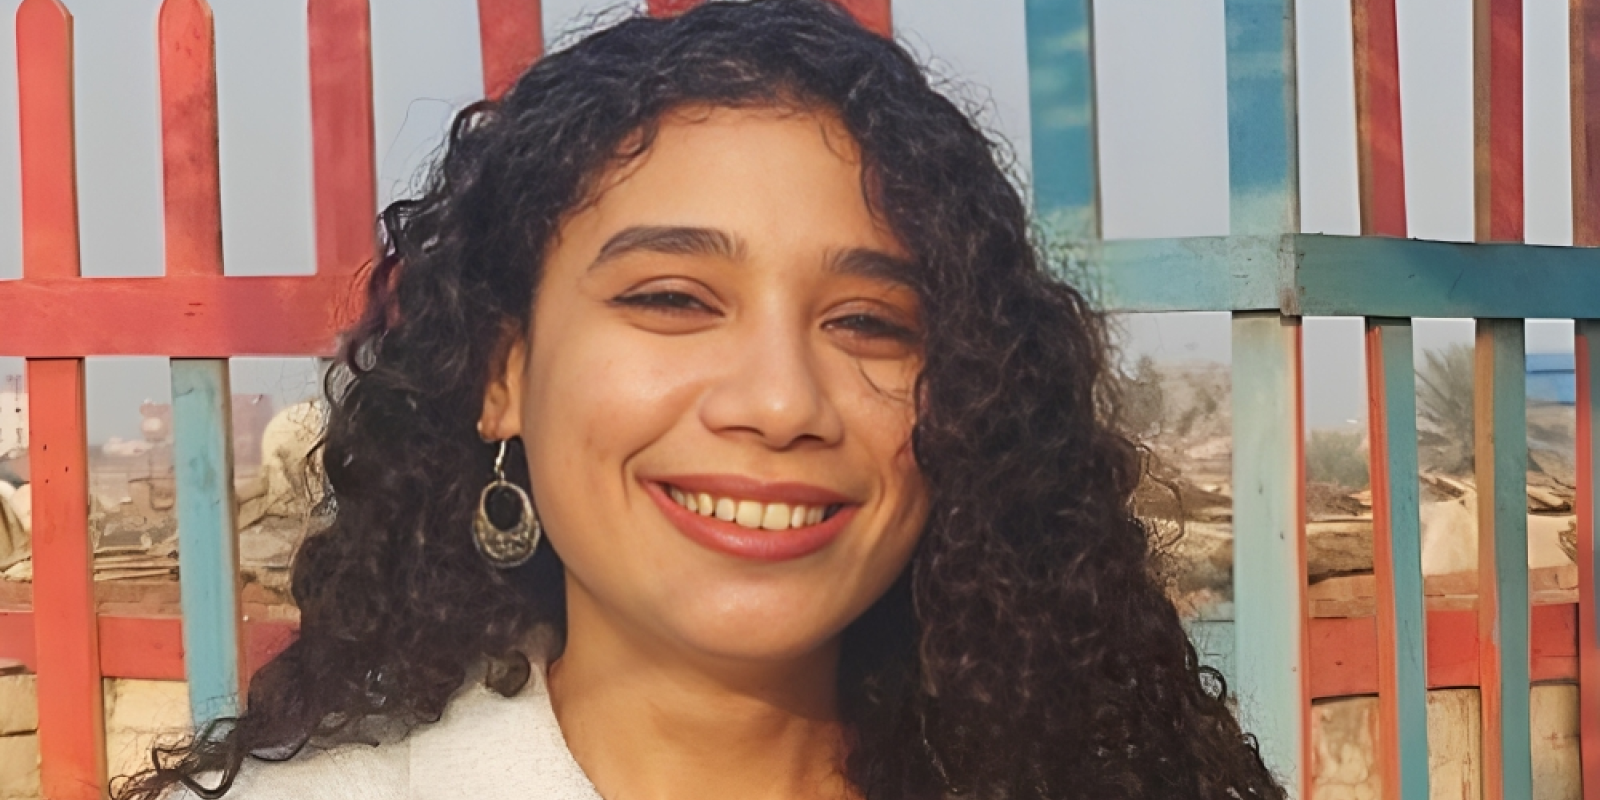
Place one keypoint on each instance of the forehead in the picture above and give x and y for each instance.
(764, 173)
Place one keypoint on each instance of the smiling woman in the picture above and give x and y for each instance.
(816, 489)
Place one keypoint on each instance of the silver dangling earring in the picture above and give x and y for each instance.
(506, 547)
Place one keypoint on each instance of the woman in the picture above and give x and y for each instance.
(823, 499)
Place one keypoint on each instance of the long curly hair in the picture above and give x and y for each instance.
(1026, 652)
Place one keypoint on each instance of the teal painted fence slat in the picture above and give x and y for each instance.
(1398, 399)
(1263, 170)
(207, 542)
(1268, 564)
(1590, 330)
(1062, 110)
(1501, 456)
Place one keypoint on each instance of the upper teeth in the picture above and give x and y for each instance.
(749, 513)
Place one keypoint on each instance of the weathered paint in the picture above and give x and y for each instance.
(208, 562)
(1588, 458)
(1320, 275)
(1203, 273)
(71, 716)
(344, 175)
(192, 192)
(1397, 559)
(1344, 650)
(1066, 193)
(1269, 573)
(1380, 155)
(46, 136)
(1263, 167)
(1497, 123)
(146, 648)
(1501, 468)
(177, 315)
(1584, 22)
(511, 37)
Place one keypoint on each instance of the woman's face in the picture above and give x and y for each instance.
(716, 395)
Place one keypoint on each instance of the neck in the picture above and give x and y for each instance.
(650, 721)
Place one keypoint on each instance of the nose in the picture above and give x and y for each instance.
(771, 388)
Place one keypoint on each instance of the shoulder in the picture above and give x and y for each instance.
(346, 772)
(484, 747)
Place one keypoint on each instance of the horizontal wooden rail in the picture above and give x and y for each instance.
(182, 316)
(1319, 275)
(145, 648)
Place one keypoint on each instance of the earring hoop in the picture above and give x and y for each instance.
(511, 547)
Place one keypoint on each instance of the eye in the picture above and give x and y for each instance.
(676, 302)
(873, 326)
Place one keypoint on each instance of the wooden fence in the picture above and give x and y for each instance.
(1266, 273)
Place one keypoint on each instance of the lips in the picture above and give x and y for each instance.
(749, 519)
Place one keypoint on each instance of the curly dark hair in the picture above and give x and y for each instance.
(1026, 652)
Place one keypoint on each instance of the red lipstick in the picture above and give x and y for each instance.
(736, 540)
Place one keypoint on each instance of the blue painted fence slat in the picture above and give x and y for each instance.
(208, 565)
(1268, 562)
(1062, 110)
(1393, 392)
(1501, 461)
(1263, 169)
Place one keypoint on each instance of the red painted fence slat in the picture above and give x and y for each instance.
(1381, 157)
(1497, 89)
(345, 177)
(49, 169)
(511, 35)
(71, 716)
(190, 173)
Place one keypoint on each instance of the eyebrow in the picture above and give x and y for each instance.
(869, 263)
(683, 240)
(672, 240)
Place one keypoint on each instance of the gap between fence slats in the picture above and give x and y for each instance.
(344, 180)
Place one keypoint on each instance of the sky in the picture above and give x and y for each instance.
(1162, 123)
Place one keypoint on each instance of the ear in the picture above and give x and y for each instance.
(502, 397)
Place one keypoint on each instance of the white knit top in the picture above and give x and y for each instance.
(485, 747)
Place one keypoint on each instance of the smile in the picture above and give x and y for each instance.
(749, 519)
(752, 513)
